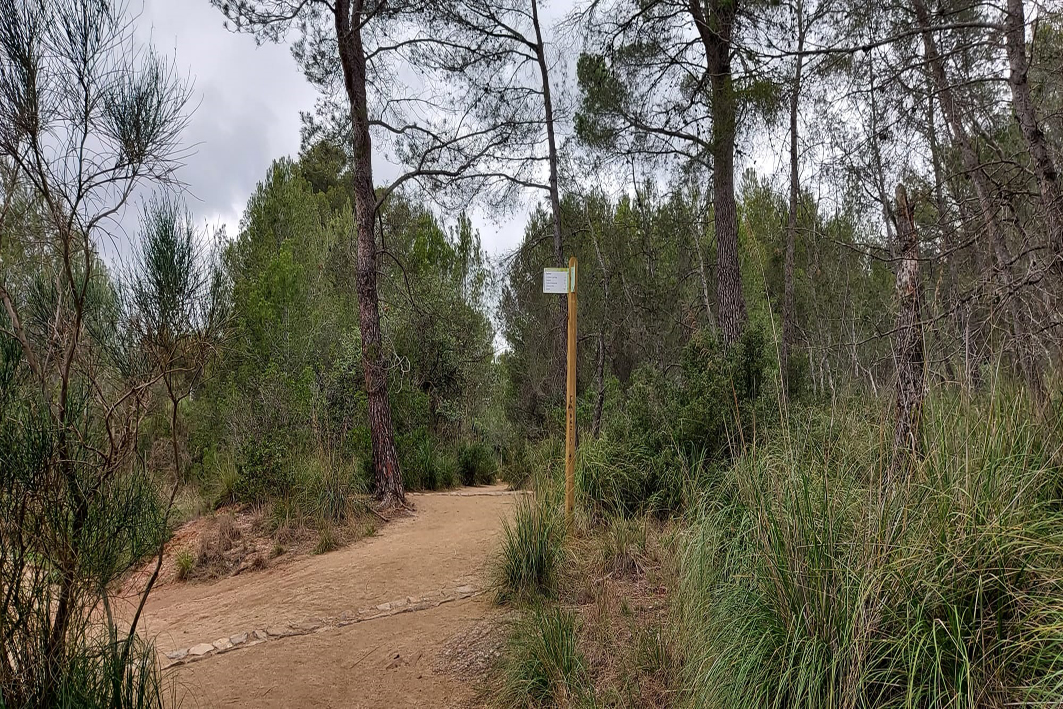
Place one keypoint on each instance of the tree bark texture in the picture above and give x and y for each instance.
(791, 218)
(1026, 115)
(388, 476)
(908, 347)
(715, 29)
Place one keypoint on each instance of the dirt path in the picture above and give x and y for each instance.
(363, 626)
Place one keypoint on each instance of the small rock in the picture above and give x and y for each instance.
(278, 631)
(261, 635)
(238, 639)
(384, 607)
(177, 654)
(222, 644)
(201, 649)
(307, 626)
(464, 589)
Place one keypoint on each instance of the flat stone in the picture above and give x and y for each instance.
(177, 654)
(201, 649)
(384, 607)
(278, 631)
(307, 626)
(222, 644)
(238, 639)
(261, 635)
(464, 589)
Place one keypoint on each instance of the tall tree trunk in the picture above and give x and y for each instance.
(972, 164)
(876, 158)
(715, 30)
(791, 218)
(555, 195)
(1026, 115)
(389, 488)
(911, 387)
(704, 273)
(599, 367)
(599, 376)
(948, 291)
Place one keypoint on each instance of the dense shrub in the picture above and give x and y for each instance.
(426, 463)
(477, 464)
(262, 470)
(628, 478)
(532, 549)
(665, 436)
(524, 461)
(328, 491)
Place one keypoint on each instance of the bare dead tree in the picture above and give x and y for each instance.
(908, 340)
(988, 209)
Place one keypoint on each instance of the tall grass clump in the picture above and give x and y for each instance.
(426, 464)
(107, 675)
(543, 665)
(476, 464)
(810, 582)
(533, 545)
(625, 478)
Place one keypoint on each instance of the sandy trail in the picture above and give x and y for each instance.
(439, 554)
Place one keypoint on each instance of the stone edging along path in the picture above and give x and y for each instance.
(316, 625)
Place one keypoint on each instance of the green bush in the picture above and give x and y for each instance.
(525, 462)
(326, 491)
(263, 471)
(109, 675)
(426, 464)
(805, 584)
(663, 440)
(543, 666)
(628, 478)
(476, 464)
(532, 550)
(327, 540)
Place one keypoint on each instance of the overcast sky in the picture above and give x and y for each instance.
(247, 101)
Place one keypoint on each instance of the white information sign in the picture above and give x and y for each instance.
(555, 280)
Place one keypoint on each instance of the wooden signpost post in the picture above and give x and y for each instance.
(563, 280)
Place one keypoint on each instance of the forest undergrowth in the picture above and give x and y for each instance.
(799, 573)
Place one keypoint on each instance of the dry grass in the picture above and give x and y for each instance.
(242, 538)
(623, 573)
(615, 588)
